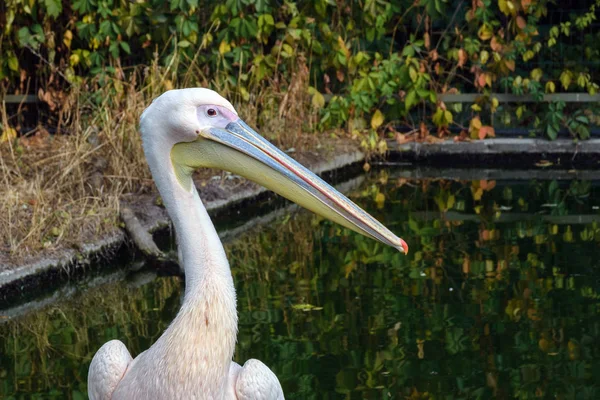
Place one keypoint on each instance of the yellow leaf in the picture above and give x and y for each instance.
(488, 80)
(74, 59)
(451, 202)
(244, 93)
(380, 200)
(550, 87)
(68, 37)
(8, 134)
(377, 119)
(94, 43)
(448, 117)
(474, 127)
(343, 47)
(477, 194)
(565, 79)
(568, 235)
(224, 47)
(382, 147)
(318, 100)
(495, 104)
(504, 7)
(349, 268)
(511, 7)
(484, 56)
(537, 74)
(485, 32)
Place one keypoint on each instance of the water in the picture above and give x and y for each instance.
(499, 297)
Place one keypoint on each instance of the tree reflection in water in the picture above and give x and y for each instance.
(499, 297)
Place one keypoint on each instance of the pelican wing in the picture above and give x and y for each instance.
(255, 381)
(107, 369)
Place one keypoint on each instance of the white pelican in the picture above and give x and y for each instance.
(183, 130)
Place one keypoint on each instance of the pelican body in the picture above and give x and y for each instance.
(183, 130)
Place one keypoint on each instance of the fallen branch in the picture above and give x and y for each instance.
(145, 243)
(142, 239)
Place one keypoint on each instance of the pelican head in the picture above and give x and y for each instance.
(202, 129)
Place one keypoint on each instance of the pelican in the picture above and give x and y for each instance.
(183, 130)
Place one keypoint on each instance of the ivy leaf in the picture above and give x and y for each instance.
(53, 7)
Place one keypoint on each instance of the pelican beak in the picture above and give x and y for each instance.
(242, 151)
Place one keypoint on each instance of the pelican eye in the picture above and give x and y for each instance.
(211, 112)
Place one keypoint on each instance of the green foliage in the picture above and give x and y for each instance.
(391, 56)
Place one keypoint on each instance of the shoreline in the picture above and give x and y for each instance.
(16, 279)
(549, 160)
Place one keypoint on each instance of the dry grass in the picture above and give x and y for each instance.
(62, 190)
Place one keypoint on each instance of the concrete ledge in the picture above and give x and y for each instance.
(152, 218)
(501, 146)
(504, 152)
(476, 174)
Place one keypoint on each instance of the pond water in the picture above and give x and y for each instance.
(499, 297)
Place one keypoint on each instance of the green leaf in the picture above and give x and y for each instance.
(413, 73)
(13, 63)
(412, 224)
(125, 47)
(306, 307)
(552, 131)
(411, 99)
(53, 7)
(24, 36)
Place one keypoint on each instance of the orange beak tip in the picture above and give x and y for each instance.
(404, 246)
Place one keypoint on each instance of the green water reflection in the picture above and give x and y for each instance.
(499, 297)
